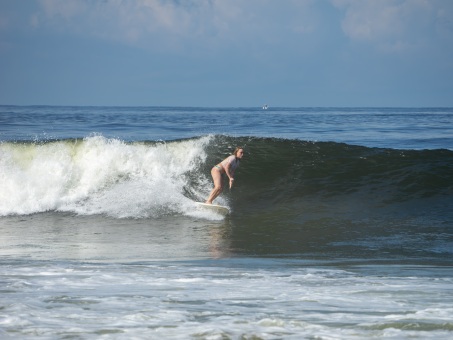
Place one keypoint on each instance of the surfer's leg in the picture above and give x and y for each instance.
(218, 185)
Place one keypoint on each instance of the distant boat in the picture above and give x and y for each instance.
(265, 107)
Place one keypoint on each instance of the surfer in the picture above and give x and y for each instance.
(226, 167)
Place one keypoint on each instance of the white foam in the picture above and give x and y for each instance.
(220, 299)
(99, 176)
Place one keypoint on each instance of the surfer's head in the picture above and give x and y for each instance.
(238, 152)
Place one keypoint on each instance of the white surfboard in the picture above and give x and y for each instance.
(219, 209)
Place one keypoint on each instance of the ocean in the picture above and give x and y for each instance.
(341, 223)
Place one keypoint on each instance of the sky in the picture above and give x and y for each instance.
(227, 53)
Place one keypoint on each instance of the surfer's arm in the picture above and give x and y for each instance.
(230, 174)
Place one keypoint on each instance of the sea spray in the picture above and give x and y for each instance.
(97, 175)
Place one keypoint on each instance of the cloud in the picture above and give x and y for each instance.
(65, 9)
(388, 25)
(394, 25)
(163, 24)
(134, 21)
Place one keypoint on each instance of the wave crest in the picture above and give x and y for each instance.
(97, 175)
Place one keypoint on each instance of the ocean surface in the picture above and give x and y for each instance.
(341, 223)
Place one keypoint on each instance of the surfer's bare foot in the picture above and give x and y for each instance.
(207, 202)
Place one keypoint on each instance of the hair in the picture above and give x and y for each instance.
(235, 152)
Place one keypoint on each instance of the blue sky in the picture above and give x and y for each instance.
(227, 52)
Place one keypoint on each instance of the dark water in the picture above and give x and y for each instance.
(341, 223)
(330, 199)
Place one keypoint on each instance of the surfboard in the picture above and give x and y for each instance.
(219, 209)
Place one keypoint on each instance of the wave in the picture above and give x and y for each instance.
(97, 175)
(278, 178)
(290, 170)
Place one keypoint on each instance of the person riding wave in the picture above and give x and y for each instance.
(225, 168)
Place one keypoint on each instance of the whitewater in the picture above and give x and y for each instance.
(96, 175)
(341, 223)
